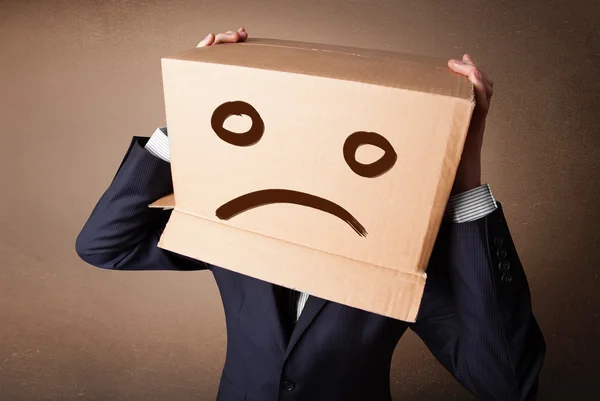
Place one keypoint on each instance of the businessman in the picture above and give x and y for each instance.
(476, 316)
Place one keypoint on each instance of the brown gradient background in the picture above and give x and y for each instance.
(79, 78)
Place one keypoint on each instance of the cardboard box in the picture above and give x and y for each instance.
(320, 168)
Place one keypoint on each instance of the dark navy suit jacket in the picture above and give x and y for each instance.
(475, 315)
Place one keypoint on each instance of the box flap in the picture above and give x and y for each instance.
(166, 202)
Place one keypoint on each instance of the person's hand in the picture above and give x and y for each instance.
(468, 175)
(225, 37)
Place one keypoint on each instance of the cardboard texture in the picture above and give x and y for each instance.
(320, 168)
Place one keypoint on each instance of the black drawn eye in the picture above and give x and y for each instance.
(378, 167)
(237, 108)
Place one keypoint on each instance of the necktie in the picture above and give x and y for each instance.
(287, 304)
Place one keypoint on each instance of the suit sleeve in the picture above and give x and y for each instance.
(122, 232)
(476, 315)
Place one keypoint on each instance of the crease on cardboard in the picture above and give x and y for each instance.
(313, 49)
(434, 220)
(452, 147)
(259, 42)
(423, 275)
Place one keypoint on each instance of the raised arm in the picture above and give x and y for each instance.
(476, 315)
(122, 232)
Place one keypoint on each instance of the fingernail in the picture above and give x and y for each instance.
(477, 74)
(203, 41)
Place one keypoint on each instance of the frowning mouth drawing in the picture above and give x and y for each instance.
(256, 199)
(269, 196)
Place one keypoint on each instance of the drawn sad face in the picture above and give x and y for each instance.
(269, 196)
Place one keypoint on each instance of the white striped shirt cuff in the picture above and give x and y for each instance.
(158, 144)
(470, 205)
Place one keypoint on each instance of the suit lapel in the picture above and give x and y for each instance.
(311, 310)
(265, 292)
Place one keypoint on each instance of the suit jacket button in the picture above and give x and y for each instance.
(501, 253)
(506, 278)
(504, 265)
(288, 385)
(498, 242)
